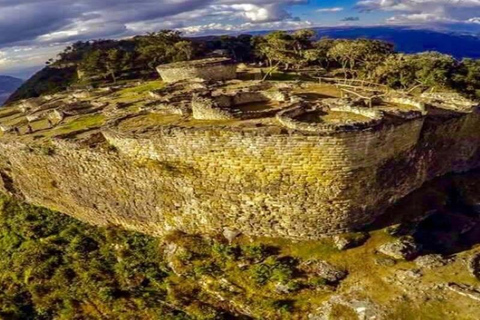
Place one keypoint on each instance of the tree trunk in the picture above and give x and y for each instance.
(114, 78)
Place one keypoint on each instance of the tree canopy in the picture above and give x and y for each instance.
(373, 60)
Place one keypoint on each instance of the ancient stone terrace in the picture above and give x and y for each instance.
(275, 158)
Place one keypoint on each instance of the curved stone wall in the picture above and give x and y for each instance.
(288, 119)
(224, 104)
(207, 69)
(263, 182)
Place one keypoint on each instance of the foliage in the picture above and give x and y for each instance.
(164, 46)
(103, 61)
(106, 63)
(272, 269)
(467, 78)
(281, 47)
(360, 55)
(55, 267)
(429, 69)
(239, 48)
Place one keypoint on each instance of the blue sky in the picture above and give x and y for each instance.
(32, 31)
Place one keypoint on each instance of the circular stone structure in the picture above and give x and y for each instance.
(216, 69)
(249, 101)
(329, 119)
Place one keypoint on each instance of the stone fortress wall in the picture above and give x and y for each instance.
(211, 69)
(263, 183)
(296, 179)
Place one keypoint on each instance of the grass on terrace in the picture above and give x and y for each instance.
(85, 122)
(142, 89)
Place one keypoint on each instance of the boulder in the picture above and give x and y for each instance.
(33, 117)
(431, 261)
(348, 241)
(324, 270)
(405, 248)
(5, 128)
(473, 265)
(56, 115)
(230, 234)
(385, 261)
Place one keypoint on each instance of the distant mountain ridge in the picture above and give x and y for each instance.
(408, 39)
(8, 85)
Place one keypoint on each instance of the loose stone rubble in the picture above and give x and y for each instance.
(404, 248)
(324, 270)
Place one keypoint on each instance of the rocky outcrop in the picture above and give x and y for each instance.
(323, 269)
(473, 265)
(403, 248)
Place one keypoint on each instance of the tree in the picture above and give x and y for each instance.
(106, 63)
(92, 63)
(360, 56)
(396, 72)
(429, 69)
(239, 48)
(467, 78)
(162, 47)
(433, 69)
(318, 54)
(302, 41)
(117, 60)
(281, 47)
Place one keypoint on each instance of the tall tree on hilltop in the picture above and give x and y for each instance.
(162, 47)
(360, 55)
(106, 63)
(281, 47)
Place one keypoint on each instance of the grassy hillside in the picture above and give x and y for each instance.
(46, 81)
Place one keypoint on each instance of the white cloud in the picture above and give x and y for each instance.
(330, 10)
(217, 28)
(418, 18)
(425, 11)
(44, 24)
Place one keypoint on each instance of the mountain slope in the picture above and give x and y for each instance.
(7, 86)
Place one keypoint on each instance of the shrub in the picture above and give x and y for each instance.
(255, 252)
(271, 269)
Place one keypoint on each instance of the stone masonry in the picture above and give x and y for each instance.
(208, 69)
(289, 174)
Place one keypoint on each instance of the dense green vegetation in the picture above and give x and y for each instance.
(53, 266)
(46, 81)
(104, 61)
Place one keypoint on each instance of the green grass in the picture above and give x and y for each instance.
(81, 123)
(142, 89)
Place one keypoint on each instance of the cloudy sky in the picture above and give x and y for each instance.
(31, 31)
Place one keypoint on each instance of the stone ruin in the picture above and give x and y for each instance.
(263, 158)
(204, 98)
(208, 69)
